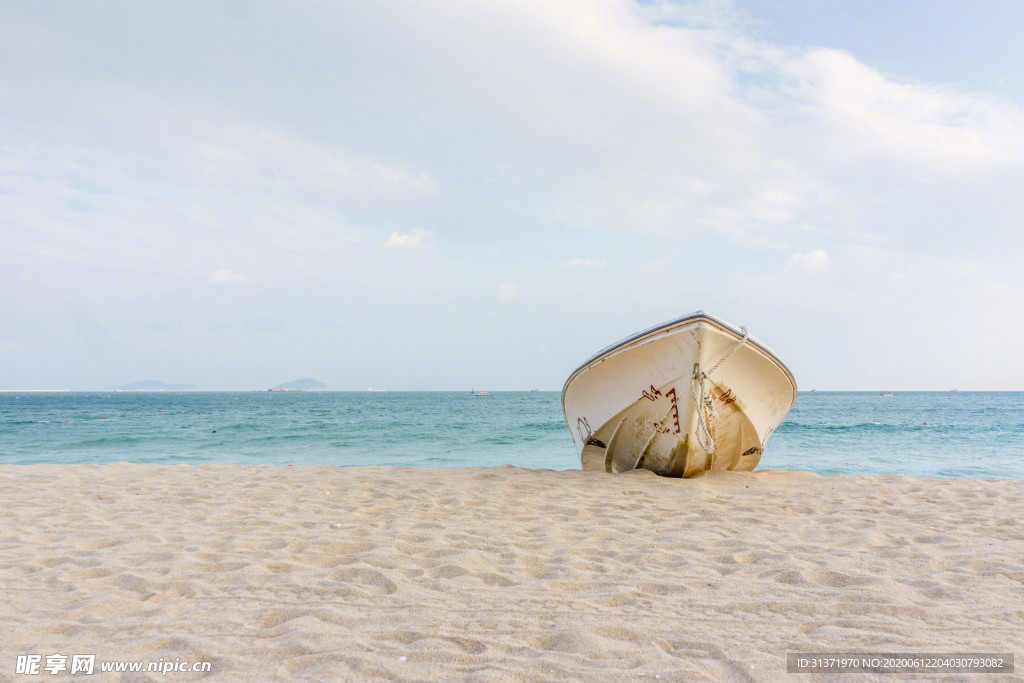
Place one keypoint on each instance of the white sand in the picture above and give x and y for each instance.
(325, 572)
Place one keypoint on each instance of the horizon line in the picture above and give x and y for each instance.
(451, 391)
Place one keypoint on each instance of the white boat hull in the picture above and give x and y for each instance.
(635, 404)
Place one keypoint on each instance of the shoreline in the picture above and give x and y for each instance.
(698, 477)
(491, 572)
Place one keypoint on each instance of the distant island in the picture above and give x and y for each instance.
(151, 385)
(300, 385)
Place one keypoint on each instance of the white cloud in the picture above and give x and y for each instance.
(660, 134)
(812, 261)
(267, 159)
(416, 239)
(866, 112)
(585, 263)
(507, 291)
(225, 276)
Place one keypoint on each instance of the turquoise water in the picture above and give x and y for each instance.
(967, 434)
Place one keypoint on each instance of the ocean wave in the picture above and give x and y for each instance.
(502, 440)
(269, 438)
(112, 441)
(242, 427)
(545, 426)
(869, 427)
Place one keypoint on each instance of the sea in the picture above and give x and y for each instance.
(923, 434)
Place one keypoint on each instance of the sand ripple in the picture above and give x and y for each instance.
(498, 573)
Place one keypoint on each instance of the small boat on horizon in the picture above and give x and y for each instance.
(483, 394)
(886, 393)
(690, 395)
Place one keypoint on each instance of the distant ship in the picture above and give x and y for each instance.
(886, 393)
(484, 394)
(372, 389)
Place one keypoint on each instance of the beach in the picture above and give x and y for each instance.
(499, 573)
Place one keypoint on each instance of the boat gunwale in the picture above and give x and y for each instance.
(690, 317)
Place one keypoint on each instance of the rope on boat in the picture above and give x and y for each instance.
(703, 405)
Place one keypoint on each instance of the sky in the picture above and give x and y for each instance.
(441, 195)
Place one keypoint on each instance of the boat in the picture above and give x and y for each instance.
(886, 393)
(689, 395)
(482, 394)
